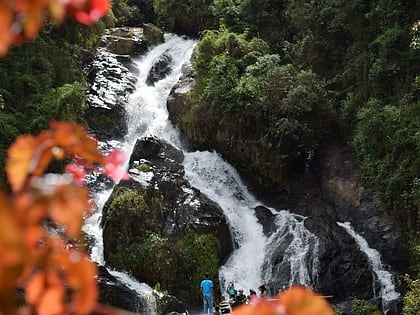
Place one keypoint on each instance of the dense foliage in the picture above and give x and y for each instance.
(267, 114)
(43, 80)
(411, 299)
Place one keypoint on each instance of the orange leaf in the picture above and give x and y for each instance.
(11, 256)
(260, 306)
(27, 156)
(35, 287)
(76, 140)
(82, 280)
(300, 300)
(52, 300)
(29, 208)
(32, 23)
(19, 158)
(33, 235)
(11, 244)
(67, 207)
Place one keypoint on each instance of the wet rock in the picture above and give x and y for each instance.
(160, 69)
(266, 218)
(112, 292)
(341, 186)
(111, 83)
(124, 40)
(343, 270)
(169, 304)
(176, 98)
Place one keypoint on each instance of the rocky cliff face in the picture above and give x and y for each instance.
(112, 78)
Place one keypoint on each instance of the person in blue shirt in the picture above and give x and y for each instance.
(207, 290)
(231, 291)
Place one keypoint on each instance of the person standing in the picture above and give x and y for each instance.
(231, 291)
(207, 291)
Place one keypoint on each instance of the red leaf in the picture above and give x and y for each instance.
(90, 12)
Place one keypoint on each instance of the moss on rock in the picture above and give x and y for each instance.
(199, 253)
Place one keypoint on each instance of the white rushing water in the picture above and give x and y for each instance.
(217, 179)
(385, 278)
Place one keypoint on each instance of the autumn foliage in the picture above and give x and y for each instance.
(21, 20)
(41, 221)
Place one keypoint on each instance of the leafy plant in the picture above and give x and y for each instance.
(412, 297)
(361, 307)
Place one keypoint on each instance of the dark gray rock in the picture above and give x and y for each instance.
(160, 69)
(111, 84)
(343, 270)
(112, 292)
(266, 219)
(176, 98)
(158, 199)
(169, 304)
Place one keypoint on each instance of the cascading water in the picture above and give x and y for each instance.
(146, 116)
(286, 256)
(385, 278)
(250, 263)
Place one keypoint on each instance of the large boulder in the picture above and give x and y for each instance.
(113, 292)
(111, 84)
(112, 77)
(131, 40)
(159, 228)
(343, 270)
(160, 69)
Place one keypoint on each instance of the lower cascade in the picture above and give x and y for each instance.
(271, 246)
(386, 279)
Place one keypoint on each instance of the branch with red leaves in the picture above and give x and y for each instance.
(21, 20)
(41, 221)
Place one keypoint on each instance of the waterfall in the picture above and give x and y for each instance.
(385, 278)
(250, 264)
(147, 115)
(286, 256)
(299, 251)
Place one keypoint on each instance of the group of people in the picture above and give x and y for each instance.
(235, 297)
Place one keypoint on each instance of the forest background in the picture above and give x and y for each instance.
(352, 70)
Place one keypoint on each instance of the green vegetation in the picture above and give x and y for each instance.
(411, 299)
(361, 307)
(180, 16)
(268, 114)
(148, 257)
(199, 254)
